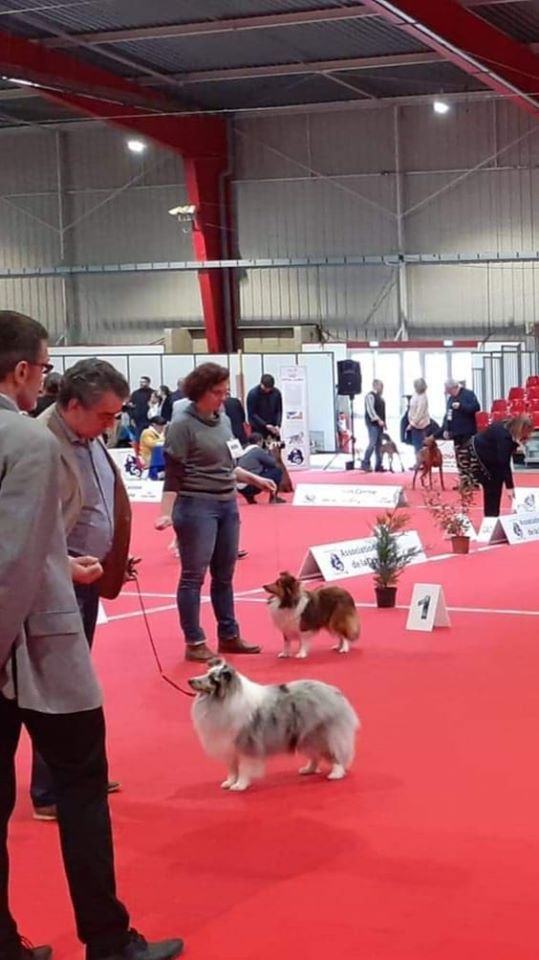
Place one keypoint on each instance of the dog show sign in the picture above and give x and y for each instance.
(350, 558)
(295, 425)
(515, 528)
(526, 500)
(486, 531)
(346, 495)
(427, 608)
(143, 491)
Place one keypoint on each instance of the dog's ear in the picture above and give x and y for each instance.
(216, 662)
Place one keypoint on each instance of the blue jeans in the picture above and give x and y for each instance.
(41, 786)
(208, 534)
(269, 473)
(418, 437)
(375, 446)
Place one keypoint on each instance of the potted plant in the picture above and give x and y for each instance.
(453, 518)
(389, 560)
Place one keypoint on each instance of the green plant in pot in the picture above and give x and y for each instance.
(453, 517)
(390, 558)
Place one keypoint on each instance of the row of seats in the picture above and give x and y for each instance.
(519, 400)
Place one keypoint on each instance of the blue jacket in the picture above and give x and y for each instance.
(460, 423)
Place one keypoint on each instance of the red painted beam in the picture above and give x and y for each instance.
(202, 142)
(477, 47)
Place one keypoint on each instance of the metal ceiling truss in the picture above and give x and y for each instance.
(477, 47)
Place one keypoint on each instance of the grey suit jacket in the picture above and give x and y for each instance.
(44, 657)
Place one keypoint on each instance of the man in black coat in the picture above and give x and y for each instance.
(236, 414)
(459, 421)
(138, 405)
(265, 407)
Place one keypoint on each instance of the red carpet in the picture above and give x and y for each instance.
(428, 851)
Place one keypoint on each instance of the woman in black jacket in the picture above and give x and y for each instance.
(490, 455)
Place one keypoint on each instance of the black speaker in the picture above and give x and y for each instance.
(348, 378)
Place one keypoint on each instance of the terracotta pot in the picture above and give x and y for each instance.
(460, 544)
(385, 596)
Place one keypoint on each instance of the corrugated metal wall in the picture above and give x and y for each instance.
(114, 211)
(318, 184)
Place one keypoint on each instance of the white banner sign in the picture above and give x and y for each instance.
(143, 491)
(349, 558)
(427, 608)
(101, 615)
(517, 528)
(488, 530)
(295, 425)
(345, 495)
(448, 453)
(526, 500)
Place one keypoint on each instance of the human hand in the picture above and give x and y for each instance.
(163, 522)
(446, 435)
(85, 569)
(266, 484)
(273, 430)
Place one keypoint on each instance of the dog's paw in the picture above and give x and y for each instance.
(239, 785)
(341, 648)
(283, 655)
(337, 772)
(309, 769)
(228, 783)
(301, 655)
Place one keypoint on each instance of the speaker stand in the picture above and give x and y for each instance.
(350, 464)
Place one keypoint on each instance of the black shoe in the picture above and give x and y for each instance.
(250, 497)
(138, 948)
(380, 470)
(29, 952)
(277, 499)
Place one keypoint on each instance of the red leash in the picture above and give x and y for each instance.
(172, 683)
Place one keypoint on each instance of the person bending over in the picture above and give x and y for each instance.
(259, 461)
(199, 499)
(487, 460)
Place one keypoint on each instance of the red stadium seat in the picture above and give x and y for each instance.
(517, 406)
(499, 405)
(533, 393)
(516, 393)
(532, 382)
(533, 404)
(535, 418)
(482, 420)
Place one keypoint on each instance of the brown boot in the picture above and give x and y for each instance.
(198, 652)
(237, 645)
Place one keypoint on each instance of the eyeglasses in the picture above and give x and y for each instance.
(45, 367)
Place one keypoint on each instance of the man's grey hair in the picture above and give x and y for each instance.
(88, 380)
(451, 384)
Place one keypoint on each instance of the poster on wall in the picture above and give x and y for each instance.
(295, 426)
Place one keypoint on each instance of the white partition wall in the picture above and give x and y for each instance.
(176, 368)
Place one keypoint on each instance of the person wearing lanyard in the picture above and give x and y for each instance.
(95, 510)
(199, 498)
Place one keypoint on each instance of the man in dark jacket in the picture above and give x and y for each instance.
(459, 421)
(375, 419)
(258, 461)
(138, 405)
(265, 407)
(236, 414)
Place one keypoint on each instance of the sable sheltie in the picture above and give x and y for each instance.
(299, 613)
(241, 723)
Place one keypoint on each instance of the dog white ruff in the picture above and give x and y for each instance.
(224, 722)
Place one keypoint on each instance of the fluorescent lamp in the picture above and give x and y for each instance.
(441, 107)
(448, 343)
(374, 343)
(136, 146)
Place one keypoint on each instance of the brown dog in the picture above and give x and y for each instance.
(429, 457)
(274, 447)
(299, 613)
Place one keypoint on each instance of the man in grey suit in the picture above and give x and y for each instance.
(47, 682)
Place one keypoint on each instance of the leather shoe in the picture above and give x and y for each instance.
(237, 645)
(29, 952)
(138, 948)
(198, 652)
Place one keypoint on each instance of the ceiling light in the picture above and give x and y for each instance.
(21, 83)
(441, 107)
(136, 146)
(374, 343)
(448, 343)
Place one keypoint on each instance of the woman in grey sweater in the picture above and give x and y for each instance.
(199, 499)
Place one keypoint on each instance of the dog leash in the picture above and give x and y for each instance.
(172, 683)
